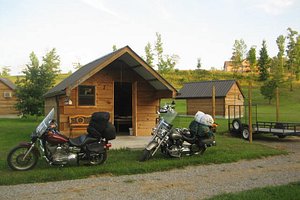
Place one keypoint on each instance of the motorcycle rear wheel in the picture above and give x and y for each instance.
(98, 159)
(16, 161)
(146, 155)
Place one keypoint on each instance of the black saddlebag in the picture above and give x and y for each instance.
(109, 132)
(98, 124)
(95, 147)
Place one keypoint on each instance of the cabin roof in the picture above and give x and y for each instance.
(126, 55)
(8, 83)
(203, 89)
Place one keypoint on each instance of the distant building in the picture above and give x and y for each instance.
(245, 67)
(198, 96)
(7, 99)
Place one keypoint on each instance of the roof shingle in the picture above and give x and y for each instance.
(203, 89)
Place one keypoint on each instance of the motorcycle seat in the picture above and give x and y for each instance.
(82, 140)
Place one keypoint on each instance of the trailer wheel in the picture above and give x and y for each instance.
(237, 126)
(246, 133)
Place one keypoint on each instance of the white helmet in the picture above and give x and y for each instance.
(198, 116)
(207, 120)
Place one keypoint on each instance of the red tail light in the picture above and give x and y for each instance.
(108, 145)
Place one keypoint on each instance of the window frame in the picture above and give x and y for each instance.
(79, 95)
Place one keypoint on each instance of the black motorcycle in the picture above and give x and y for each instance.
(175, 142)
(58, 149)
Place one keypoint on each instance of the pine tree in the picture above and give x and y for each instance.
(37, 81)
(263, 62)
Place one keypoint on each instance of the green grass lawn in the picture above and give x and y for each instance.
(119, 162)
(284, 192)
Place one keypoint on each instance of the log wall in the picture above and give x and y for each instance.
(7, 104)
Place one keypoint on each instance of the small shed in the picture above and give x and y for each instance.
(198, 96)
(120, 83)
(7, 99)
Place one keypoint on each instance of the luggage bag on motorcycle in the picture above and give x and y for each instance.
(98, 124)
(109, 132)
(95, 147)
(199, 129)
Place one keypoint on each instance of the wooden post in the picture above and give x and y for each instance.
(213, 102)
(277, 104)
(250, 110)
(134, 108)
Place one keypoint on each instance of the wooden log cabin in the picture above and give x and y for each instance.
(8, 99)
(120, 83)
(198, 96)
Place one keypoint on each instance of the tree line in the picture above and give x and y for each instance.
(272, 71)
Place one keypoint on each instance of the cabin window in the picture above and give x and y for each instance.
(86, 95)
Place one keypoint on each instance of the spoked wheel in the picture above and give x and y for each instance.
(246, 133)
(17, 161)
(98, 159)
(237, 126)
(146, 155)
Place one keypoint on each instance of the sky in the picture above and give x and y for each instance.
(84, 30)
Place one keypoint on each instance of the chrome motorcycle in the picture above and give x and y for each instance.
(175, 142)
(58, 149)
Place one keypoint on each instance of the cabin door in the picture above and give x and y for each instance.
(123, 107)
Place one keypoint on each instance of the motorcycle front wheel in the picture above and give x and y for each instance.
(16, 160)
(146, 155)
(98, 159)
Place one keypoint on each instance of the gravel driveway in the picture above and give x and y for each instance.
(190, 183)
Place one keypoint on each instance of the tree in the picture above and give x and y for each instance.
(263, 62)
(251, 57)
(50, 68)
(149, 54)
(279, 61)
(77, 65)
(37, 81)
(159, 50)
(298, 58)
(5, 71)
(268, 89)
(164, 62)
(199, 63)
(114, 47)
(291, 53)
(238, 54)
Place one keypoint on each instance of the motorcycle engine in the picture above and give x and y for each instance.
(63, 154)
(174, 151)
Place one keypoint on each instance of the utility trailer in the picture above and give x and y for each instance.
(238, 124)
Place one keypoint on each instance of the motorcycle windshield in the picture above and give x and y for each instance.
(41, 128)
(169, 116)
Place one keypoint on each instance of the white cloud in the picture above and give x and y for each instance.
(275, 7)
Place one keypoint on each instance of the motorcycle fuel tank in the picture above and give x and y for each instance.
(176, 135)
(54, 138)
